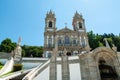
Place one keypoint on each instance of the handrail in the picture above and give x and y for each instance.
(35, 71)
(8, 65)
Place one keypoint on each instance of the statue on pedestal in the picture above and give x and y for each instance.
(17, 53)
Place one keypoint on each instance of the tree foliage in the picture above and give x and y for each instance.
(33, 51)
(27, 51)
(96, 40)
(7, 45)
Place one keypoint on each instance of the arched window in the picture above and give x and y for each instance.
(59, 42)
(50, 24)
(80, 25)
(67, 41)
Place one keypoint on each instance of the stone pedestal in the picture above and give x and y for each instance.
(53, 73)
(65, 68)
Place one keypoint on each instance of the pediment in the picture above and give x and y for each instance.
(65, 30)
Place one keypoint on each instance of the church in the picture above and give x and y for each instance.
(69, 56)
(74, 41)
(72, 47)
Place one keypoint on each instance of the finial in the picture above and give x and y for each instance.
(50, 11)
(19, 40)
(76, 12)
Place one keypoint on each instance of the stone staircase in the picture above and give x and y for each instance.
(19, 77)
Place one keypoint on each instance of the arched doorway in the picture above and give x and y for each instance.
(106, 71)
(68, 53)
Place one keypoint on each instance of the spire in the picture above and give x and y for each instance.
(50, 14)
(50, 11)
(77, 15)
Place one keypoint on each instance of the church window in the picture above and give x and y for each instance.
(74, 41)
(50, 42)
(50, 24)
(83, 42)
(80, 25)
(67, 40)
(59, 41)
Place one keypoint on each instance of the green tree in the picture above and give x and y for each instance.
(100, 44)
(35, 51)
(92, 40)
(7, 45)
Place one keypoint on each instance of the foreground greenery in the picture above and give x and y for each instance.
(95, 40)
(6, 73)
(17, 67)
(1, 66)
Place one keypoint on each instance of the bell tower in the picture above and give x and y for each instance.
(79, 26)
(50, 22)
(49, 33)
(78, 23)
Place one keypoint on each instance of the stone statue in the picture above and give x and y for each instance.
(106, 43)
(17, 53)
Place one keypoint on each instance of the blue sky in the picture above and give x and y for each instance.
(26, 18)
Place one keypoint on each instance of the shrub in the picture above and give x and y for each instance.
(1, 66)
(17, 67)
(1, 63)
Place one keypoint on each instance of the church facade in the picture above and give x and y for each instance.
(71, 58)
(74, 41)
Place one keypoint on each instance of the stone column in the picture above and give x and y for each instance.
(84, 68)
(65, 67)
(53, 64)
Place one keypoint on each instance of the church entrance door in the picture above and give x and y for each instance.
(68, 53)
